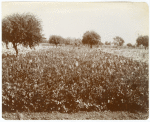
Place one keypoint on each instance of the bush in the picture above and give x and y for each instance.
(69, 81)
(130, 45)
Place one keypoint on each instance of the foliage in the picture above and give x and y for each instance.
(44, 40)
(54, 39)
(142, 40)
(70, 80)
(118, 41)
(129, 45)
(107, 43)
(101, 43)
(77, 42)
(72, 41)
(91, 38)
(68, 41)
(22, 29)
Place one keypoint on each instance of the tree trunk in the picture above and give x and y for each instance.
(15, 47)
(91, 45)
(7, 45)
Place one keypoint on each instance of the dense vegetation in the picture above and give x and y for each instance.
(142, 40)
(54, 39)
(129, 45)
(91, 38)
(69, 80)
(118, 41)
(22, 29)
(26, 29)
(107, 43)
(58, 40)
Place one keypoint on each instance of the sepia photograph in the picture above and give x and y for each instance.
(75, 60)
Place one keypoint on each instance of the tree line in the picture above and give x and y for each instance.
(26, 29)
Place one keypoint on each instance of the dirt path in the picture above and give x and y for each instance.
(106, 115)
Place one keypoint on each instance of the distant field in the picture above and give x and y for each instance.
(70, 79)
(136, 54)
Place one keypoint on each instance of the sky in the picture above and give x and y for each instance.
(125, 19)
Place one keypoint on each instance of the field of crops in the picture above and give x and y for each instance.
(67, 79)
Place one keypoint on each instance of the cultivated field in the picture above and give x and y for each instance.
(141, 55)
(74, 79)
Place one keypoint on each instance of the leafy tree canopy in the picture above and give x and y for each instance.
(91, 38)
(129, 45)
(142, 40)
(22, 29)
(107, 43)
(118, 41)
(54, 39)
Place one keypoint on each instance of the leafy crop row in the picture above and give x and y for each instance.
(70, 80)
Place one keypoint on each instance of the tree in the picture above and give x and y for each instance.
(22, 29)
(6, 42)
(77, 42)
(101, 43)
(54, 39)
(142, 40)
(118, 41)
(91, 38)
(67, 41)
(72, 41)
(129, 45)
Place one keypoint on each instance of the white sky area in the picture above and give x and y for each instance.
(123, 19)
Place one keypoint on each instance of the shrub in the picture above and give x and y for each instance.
(107, 43)
(129, 45)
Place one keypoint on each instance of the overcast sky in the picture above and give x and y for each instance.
(126, 20)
